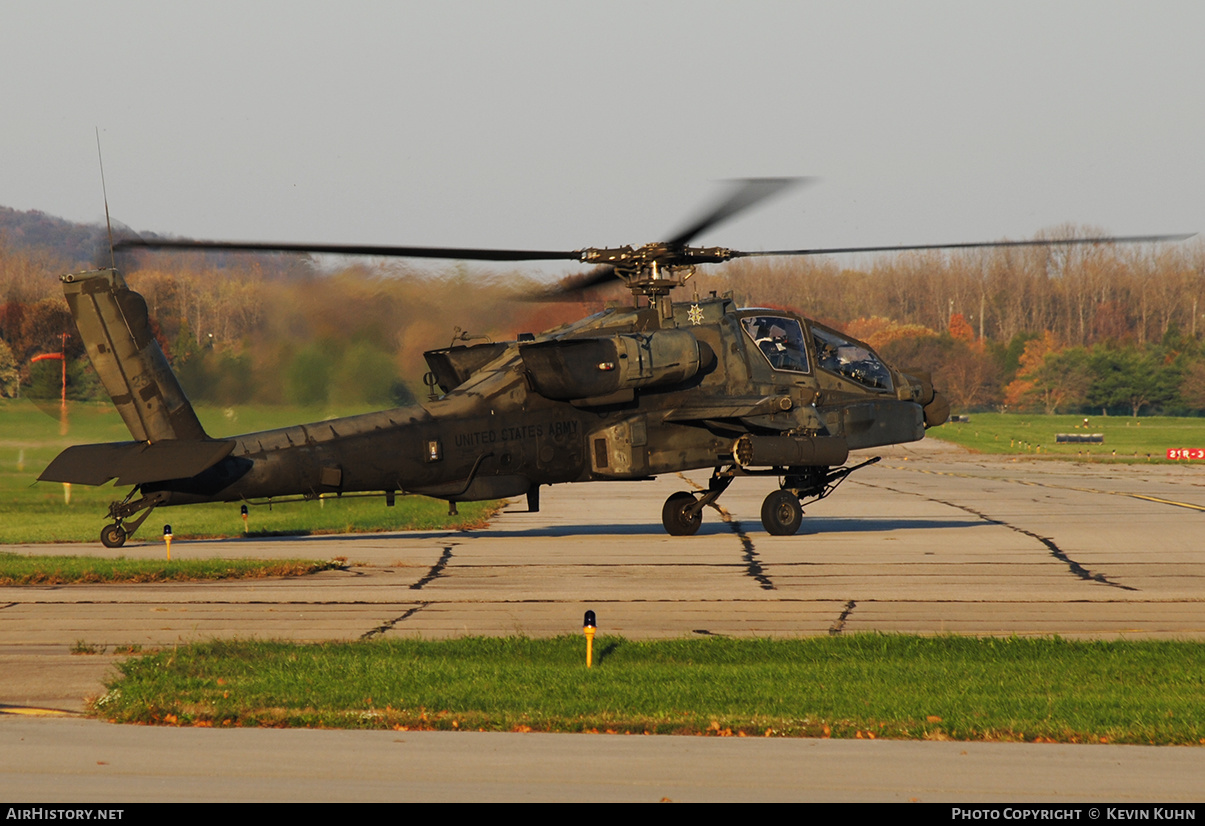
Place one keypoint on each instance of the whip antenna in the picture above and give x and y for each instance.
(105, 194)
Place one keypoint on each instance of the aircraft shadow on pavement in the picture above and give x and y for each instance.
(811, 527)
(842, 524)
(751, 526)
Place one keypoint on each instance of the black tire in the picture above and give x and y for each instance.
(674, 517)
(113, 536)
(781, 513)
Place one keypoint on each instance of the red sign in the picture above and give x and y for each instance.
(1186, 453)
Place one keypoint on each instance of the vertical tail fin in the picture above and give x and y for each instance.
(115, 327)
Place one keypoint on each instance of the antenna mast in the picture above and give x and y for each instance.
(105, 194)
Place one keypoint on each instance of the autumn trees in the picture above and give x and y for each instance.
(1117, 327)
(1056, 329)
(237, 332)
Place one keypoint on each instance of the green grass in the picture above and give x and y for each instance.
(32, 511)
(1126, 440)
(21, 569)
(888, 686)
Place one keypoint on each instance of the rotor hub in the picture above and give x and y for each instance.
(655, 269)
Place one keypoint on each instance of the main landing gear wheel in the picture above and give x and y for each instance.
(675, 518)
(781, 513)
(113, 536)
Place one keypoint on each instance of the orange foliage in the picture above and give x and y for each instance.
(1031, 361)
(879, 332)
(961, 329)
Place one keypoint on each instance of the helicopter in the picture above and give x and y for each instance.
(627, 393)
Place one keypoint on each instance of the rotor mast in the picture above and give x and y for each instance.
(654, 270)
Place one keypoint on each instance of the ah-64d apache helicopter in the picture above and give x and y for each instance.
(625, 394)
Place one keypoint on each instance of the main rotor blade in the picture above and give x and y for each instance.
(353, 249)
(572, 287)
(1111, 239)
(745, 193)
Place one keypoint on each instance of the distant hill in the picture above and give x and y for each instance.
(35, 230)
(82, 246)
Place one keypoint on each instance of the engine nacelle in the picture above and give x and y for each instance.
(585, 368)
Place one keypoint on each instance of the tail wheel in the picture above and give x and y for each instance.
(113, 536)
(675, 518)
(781, 513)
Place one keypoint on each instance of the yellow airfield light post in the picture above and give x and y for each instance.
(589, 626)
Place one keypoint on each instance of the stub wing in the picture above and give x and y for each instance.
(136, 463)
(731, 407)
(748, 413)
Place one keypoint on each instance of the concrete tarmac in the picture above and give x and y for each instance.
(930, 540)
(83, 760)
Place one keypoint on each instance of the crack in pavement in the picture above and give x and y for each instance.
(388, 626)
(839, 626)
(753, 567)
(1075, 568)
(1036, 484)
(436, 570)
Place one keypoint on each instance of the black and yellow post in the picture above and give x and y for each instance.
(589, 626)
(167, 540)
(243, 509)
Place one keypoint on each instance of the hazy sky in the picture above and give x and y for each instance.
(570, 124)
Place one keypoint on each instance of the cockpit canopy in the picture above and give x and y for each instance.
(851, 359)
(783, 343)
(780, 340)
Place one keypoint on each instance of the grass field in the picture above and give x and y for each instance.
(1125, 440)
(32, 511)
(888, 686)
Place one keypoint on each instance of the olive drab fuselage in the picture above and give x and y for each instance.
(621, 395)
(494, 435)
